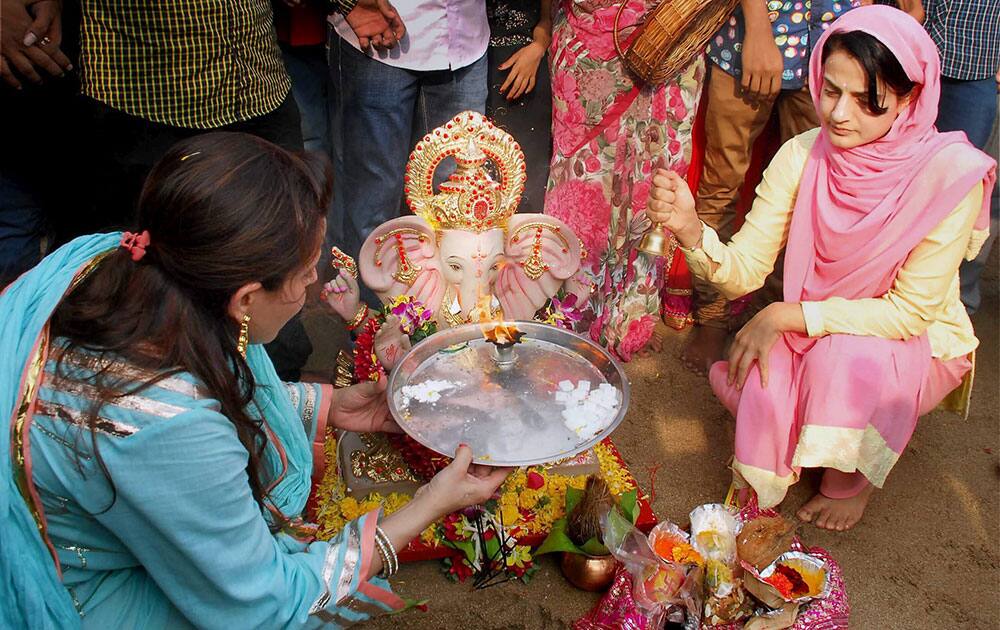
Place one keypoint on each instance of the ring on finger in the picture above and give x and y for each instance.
(45, 41)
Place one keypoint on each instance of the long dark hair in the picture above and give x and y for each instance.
(877, 61)
(222, 210)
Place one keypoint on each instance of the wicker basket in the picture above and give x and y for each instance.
(673, 33)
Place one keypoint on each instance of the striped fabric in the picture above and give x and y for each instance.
(198, 64)
(967, 34)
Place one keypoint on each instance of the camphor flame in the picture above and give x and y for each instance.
(496, 331)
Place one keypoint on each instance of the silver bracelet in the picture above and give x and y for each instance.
(386, 561)
(392, 550)
(390, 561)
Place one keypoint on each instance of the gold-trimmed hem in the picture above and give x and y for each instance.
(769, 487)
(847, 450)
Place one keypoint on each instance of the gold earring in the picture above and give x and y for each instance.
(244, 339)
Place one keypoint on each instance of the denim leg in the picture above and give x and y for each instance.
(445, 93)
(22, 226)
(307, 67)
(971, 106)
(972, 270)
(373, 108)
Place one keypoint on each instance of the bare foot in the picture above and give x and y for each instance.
(706, 345)
(836, 514)
(653, 346)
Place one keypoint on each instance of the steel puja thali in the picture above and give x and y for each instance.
(550, 396)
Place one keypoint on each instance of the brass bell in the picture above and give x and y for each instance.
(655, 241)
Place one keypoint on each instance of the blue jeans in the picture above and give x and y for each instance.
(971, 106)
(22, 226)
(310, 77)
(379, 113)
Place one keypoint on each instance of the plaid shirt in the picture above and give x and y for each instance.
(198, 64)
(967, 34)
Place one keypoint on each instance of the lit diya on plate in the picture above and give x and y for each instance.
(518, 393)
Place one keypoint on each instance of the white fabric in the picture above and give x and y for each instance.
(440, 34)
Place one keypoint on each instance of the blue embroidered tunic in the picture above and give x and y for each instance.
(177, 539)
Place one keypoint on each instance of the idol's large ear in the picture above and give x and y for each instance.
(400, 257)
(542, 253)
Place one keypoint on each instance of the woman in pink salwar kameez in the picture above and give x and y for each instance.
(875, 211)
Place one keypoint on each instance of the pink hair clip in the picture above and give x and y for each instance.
(136, 244)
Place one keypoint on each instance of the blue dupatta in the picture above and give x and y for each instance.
(31, 592)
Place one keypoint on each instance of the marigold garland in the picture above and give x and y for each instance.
(530, 501)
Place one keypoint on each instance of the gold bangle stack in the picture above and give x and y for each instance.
(359, 317)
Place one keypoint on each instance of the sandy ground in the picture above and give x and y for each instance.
(926, 554)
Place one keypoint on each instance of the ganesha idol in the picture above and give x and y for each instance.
(465, 254)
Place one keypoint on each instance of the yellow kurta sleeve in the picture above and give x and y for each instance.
(742, 265)
(920, 291)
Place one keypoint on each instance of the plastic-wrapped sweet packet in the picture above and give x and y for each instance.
(661, 588)
(673, 544)
(714, 528)
(795, 577)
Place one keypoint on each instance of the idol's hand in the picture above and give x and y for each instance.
(672, 204)
(390, 343)
(462, 484)
(754, 341)
(362, 408)
(343, 295)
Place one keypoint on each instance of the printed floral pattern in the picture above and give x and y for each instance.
(609, 136)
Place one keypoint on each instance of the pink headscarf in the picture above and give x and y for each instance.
(860, 211)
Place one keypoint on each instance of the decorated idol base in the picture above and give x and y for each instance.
(544, 397)
(530, 501)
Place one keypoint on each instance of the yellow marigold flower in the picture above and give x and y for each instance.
(510, 512)
(350, 508)
(528, 498)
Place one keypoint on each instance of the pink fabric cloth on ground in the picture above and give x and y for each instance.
(859, 212)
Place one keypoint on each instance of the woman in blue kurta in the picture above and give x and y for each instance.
(155, 468)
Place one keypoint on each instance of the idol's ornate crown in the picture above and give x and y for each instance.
(470, 199)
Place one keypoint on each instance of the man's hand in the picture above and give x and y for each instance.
(376, 23)
(362, 408)
(762, 61)
(29, 41)
(762, 67)
(913, 7)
